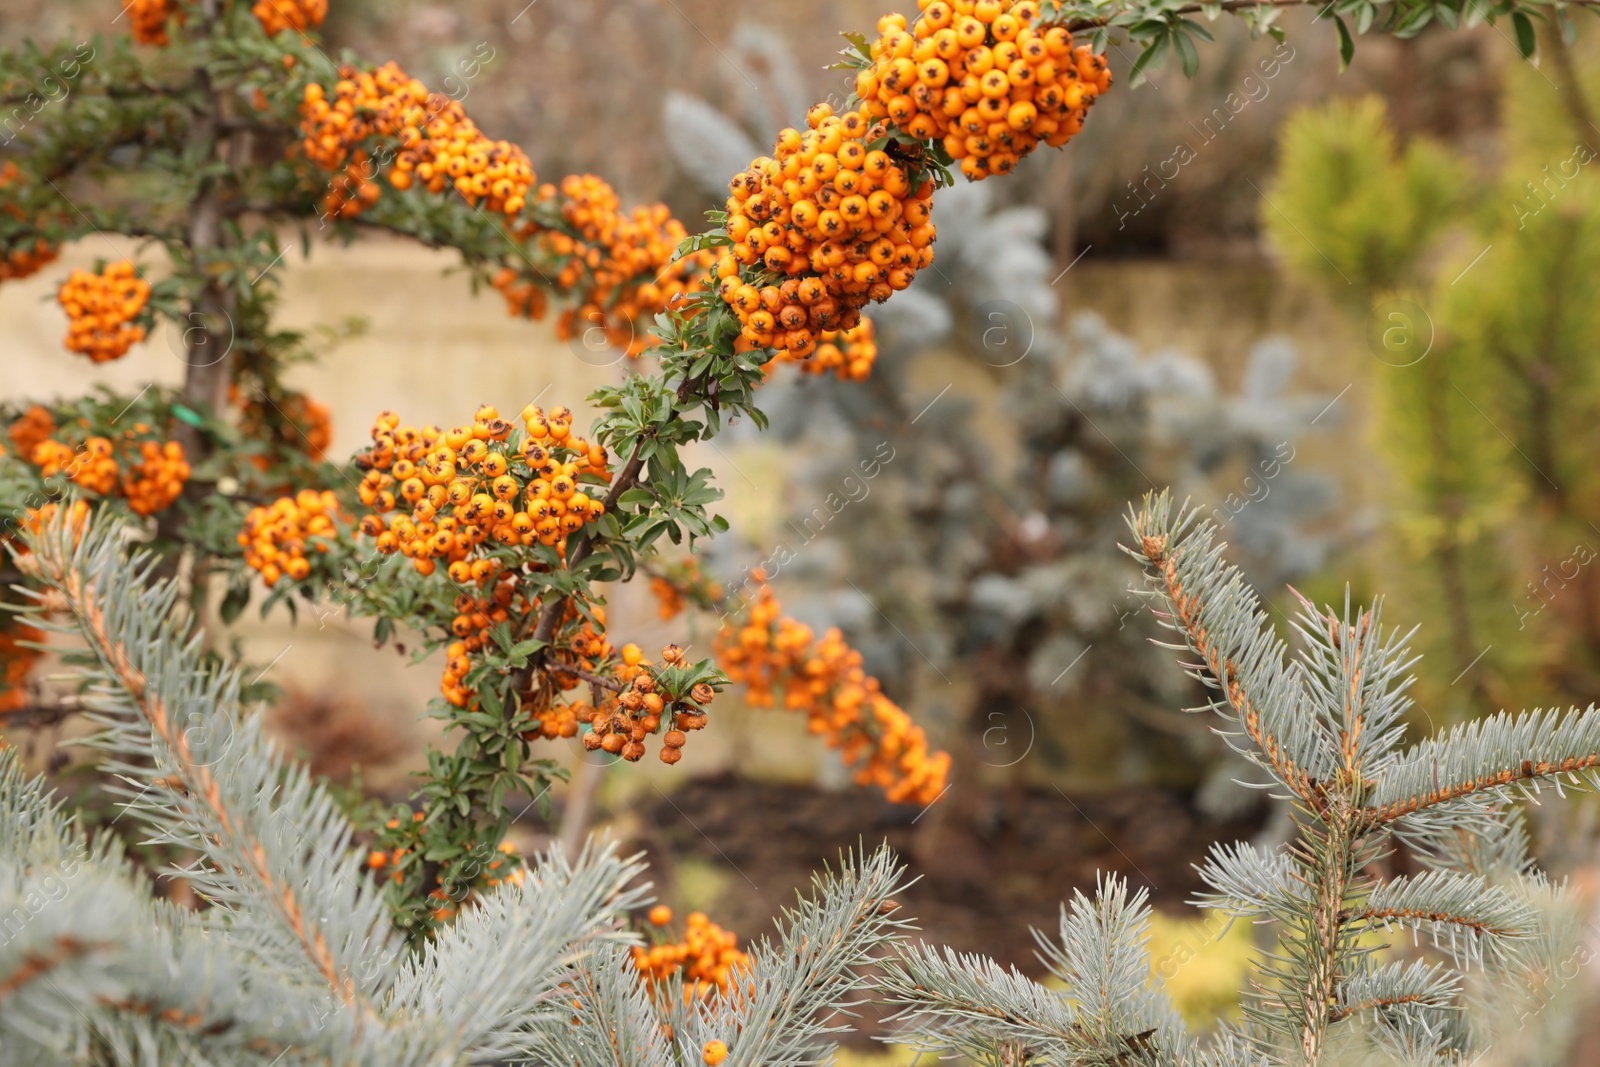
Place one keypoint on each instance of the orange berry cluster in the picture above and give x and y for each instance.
(440, 146)
(447, 906)
(621, 728)
(352, 189)
(26, 259)
(619, 265)
(276, 16)
(102, 310)
(849, 354)
(149, 18)
(819, 229)
(981, 77)
(475, 616)
(561, 720)
(16, 661)
(152, 473)
(309, 422)
(28, 256)
(52, 457)
(92, 466)
(824, 678)
(275, 538)
(32, 427)
(524, 298)
(681, 582)
(669, 598)
(377, 859)
(77, 518)
(156, 480)
(708, 955)
(514, 497)
(621, 721)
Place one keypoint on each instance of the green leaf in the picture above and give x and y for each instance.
(236, 601)
(1347, 44)
(1186, 53)
(1156, 51)
(1524, 28)
(635, 496)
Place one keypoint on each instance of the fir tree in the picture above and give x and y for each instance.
(1324, 722)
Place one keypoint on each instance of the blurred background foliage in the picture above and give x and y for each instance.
(1355, 314)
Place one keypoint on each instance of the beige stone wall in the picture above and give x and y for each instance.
(433, 351)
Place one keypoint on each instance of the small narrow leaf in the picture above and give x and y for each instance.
(1524, 29)
(1347, 44)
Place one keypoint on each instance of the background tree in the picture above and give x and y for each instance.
(1476, 298)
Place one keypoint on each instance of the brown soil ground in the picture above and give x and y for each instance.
(989, 870)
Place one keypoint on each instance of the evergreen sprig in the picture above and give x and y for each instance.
(294, 959)
(1326, 724)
